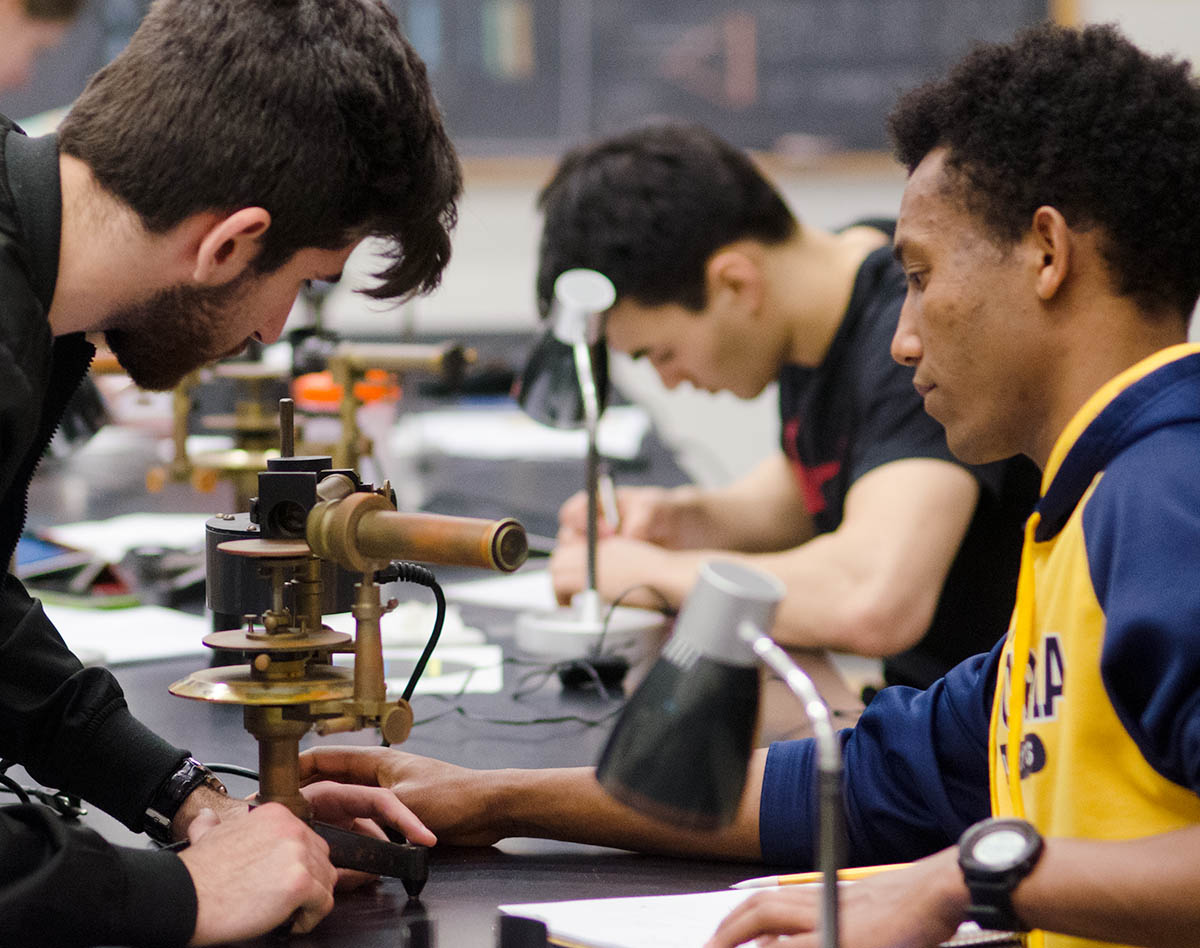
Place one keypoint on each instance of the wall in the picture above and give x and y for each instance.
(1161, 26)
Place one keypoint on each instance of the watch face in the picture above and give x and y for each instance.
(1001, 847)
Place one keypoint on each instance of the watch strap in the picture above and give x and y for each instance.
(991, 888)
(169, 797)
(991, 907)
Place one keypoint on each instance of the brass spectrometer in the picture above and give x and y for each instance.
(308, 522)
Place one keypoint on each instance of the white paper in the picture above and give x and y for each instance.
(665, 921)
(509, 433)
(452, 670)
(134, 634)
(527, 589)
(411, 623)
(111, 539)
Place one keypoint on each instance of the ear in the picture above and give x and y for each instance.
(733, 276)
(1051, 238)
(228, 244)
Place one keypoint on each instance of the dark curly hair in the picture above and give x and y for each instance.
(1083, 121)
(649, 207)
(317, 110)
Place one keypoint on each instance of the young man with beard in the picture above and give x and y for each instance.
(887, 544)
(234, 150)
(1049, 234)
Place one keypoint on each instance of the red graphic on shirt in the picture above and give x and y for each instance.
(811, 480)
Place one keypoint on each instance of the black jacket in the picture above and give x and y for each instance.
(68, 726)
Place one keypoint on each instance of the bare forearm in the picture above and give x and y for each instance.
(570, 805)
(1140, 891)
(831, 601)
(761, 512)
(468, 807)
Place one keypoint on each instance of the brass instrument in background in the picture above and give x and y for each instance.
(253, 423)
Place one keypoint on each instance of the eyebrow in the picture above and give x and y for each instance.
(898, 250)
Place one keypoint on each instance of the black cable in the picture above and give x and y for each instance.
(233, 770)
(66, 805)
(612, 608)
(534, 668)
(415, 573)
(13, 787)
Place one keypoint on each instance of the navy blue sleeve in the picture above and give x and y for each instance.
(916, 774)
(1143, 550)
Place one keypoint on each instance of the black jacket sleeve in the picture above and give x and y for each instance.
(69, 726)
(64, 886)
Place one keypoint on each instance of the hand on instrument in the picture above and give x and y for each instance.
(452, 801)
(255, 871)
(363, 809)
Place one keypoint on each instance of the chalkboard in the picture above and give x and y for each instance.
(524, 75)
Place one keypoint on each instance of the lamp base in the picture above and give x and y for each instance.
(589, 626)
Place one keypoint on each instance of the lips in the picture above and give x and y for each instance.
(923, 388)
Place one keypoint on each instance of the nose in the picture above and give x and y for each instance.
(272, 328)
(670, 377)
(906, 343)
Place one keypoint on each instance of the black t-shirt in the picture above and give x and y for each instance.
(858, 410)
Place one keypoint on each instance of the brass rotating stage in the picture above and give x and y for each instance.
(243, 684)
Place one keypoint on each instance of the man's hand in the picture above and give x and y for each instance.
(453, 802)
(363, 809)
(634, 570)
(917, 907)
(255, 871)
(653, 514)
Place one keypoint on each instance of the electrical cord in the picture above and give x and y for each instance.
(404, 572)
(667, 609)
(65, 805)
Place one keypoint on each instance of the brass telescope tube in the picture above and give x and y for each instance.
(453, 541)
(363, 532)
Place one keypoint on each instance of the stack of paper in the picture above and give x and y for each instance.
(667, 921)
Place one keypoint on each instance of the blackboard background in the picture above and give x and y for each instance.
(531, 76)
(796, 74)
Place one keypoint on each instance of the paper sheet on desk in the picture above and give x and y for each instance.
(525, 589)
(136, 634)
(411, 623)
(453, 670)
(666, 921)
(462, 662)
(109, 540)
(510, 433)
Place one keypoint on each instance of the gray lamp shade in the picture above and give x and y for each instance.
(548, 389)
(680, 750)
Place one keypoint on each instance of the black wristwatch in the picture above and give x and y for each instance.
(169, 797)
(995, 855)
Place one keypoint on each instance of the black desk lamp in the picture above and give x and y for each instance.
(565, 384)
(680, 749)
